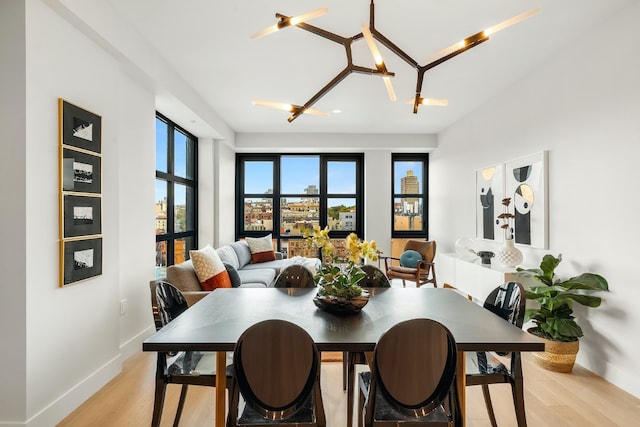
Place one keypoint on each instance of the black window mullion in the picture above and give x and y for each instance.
(191, 232)
(423, 196)
(323, 195)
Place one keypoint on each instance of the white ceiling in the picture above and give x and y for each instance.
(208, 43)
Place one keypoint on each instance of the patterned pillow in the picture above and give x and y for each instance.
(261, 249)
(209, 268)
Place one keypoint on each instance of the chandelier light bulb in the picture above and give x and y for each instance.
(509, 22)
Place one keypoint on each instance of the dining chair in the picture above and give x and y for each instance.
(295, 276)
(412, 378)
(484, 368)
(276, 368)
(375, 278)
(185, 367)
(415, 263)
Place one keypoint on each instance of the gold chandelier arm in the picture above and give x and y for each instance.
(287, 21)
(512, 21)
(478, 38)
(377, 58)
(429, 101)
(371, 35)
(292, 108)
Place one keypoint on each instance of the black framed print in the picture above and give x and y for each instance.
(81, 260)
(81, 172)
(82, 216)
(79, 128)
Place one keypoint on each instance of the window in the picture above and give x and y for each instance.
(285, 193)
(409, 204)
(176, 194)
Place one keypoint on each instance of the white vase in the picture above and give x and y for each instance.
(509, 255)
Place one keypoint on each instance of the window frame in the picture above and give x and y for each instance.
(171, 236)
(277, 195)
(424, 195)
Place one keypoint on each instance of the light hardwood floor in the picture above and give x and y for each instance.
(552, 400)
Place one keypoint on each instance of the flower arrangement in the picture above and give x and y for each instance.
(505, 217)
(339, 277)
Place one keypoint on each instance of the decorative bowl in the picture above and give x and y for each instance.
(337, 305)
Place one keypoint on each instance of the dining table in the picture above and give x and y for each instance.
(216, 322)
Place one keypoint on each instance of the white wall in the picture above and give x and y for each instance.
(13, 205)
(225, 190)
(582, 106)
(66, 343)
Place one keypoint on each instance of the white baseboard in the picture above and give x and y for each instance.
(77, 395)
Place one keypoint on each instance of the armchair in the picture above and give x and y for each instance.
(420, 270)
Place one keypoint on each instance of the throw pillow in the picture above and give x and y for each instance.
(410, 259)
(261, 249)
(236, 281)
(209, 269)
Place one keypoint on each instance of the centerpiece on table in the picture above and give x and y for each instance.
(338, 277)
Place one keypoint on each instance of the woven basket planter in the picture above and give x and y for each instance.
(558, 356)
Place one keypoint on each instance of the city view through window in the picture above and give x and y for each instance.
(408, 210)
(296, 204)
(176, 188)
(299, 197)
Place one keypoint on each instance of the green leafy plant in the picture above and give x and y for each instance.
(340, 277)
(554, 318)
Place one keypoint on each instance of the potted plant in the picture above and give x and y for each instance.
(553, 319)
(338, 277)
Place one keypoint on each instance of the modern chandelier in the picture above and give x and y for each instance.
(371, 35)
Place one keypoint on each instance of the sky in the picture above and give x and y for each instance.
(180, 156)
(297, 173)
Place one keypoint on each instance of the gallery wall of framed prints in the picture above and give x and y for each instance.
(80, 176)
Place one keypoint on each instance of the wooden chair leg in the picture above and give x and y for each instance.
(487, 402)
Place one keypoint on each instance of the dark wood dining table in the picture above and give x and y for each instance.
(216, 322)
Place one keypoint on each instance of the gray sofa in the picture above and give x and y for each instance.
(238, 255)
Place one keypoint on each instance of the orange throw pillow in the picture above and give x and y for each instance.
(209, 268)
(261, 249)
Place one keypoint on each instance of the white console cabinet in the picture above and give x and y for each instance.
(472, 278)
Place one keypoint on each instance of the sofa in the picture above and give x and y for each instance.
(237, 257)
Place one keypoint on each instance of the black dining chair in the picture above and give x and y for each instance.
(412, 378)
(295, 276)
(484, 368)
(375, 278)
(185, 367)
(276, 368)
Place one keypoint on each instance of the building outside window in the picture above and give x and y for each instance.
(176, 194)
(284, 194)
(409, 203)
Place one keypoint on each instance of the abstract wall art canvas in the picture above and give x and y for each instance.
(488, 202)
(526, 184)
